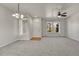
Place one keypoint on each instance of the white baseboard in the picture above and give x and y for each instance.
(7, 43)
(72, 39)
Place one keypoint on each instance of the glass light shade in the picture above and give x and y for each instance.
(59, 16)
(13, 15)
(17, 16)
(22, 16)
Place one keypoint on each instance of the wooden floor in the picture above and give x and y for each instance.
(36, 38)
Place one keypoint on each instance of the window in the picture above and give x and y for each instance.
(53, 27)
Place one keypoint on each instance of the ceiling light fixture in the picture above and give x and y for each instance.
(62, 14)
(18, 15)
(59, 13)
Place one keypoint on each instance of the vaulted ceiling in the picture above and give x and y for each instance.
(43, 9)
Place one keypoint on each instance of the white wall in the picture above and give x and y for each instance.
(36, 27)
(25, 29)
(30, 27)
(8, 27)
(73, 27)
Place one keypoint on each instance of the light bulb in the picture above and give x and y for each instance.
(16, 14)
(59, 16)
(22, 16)
(13, 15)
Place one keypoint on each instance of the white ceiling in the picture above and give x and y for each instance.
(42, 9)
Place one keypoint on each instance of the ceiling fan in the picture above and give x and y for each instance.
(62, 14)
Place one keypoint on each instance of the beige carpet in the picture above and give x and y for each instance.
(48, 46)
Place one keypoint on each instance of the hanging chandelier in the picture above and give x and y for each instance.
(18, 15)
